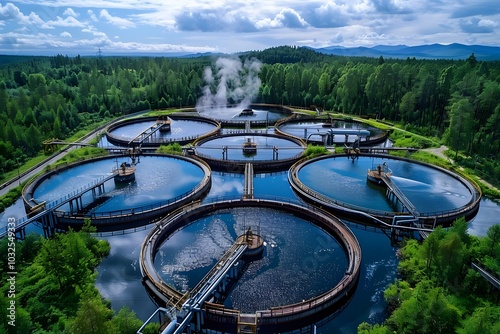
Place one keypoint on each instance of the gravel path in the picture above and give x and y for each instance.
(439, 151)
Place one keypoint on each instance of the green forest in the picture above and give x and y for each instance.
(439, 291)
(455, 102)
(55, 287)
(452, 102)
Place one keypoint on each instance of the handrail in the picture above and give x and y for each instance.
(340, 204)
(151, 207)
(324, 219)
(41, 163)
(400, 195)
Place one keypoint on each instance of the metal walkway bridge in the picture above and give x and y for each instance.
(493, 279)
(146, 133)
(214, 280)
(47, 214)
(211, 287)
(248, 186)
(394, 192)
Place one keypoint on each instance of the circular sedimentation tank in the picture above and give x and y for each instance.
(340, 183)
(256, 114)
(183, 129)
(307, 269)
(270, 152)
(343, 131)
(162, 183)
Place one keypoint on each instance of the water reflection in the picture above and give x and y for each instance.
(429, 189)
(119, 279)
(488, 215)
(265, 148)
(157, 179)
(234, 114)
(178, 129)
(303, 263)
(119, 276)
(310, 129)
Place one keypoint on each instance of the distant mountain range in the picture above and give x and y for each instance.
(432, 51)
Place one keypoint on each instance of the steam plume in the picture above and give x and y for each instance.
(233, 82)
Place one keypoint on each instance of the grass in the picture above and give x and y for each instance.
(81, 154)
(314, 151)
(27, 165)
(10, 198)
(174, 148)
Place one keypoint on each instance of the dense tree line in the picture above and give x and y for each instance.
(52, 97)
(439, 291)
(53, 289)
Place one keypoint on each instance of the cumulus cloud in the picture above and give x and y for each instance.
(70, 12)
(8, 42)
(11, 12)
(329, 15)
(117, 21)
(287, 18)
(199, 21)
(312, 23)
(487, 23)
(475, 8)
(391, 6)
(92, 30)
(477, 25)
(213, 20)
(92, 15)
(337, 39)
(69, 21)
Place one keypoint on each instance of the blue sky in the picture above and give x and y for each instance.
(162, 26)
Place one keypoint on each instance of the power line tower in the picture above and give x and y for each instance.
(99, 59)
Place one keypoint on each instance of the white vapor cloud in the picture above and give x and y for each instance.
(233, 82)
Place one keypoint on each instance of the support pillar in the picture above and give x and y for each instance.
(21, 234)
(197, 320)
(224, 152)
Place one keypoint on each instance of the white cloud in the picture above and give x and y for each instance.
(10, 12)
(476, 25)
(92, 30)
(208, 21)
(241, 25)
(117, 21)
(93, 17)
(287, 18)
(70, 12)
(69, 21)
(487, 23)
(329, 15)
